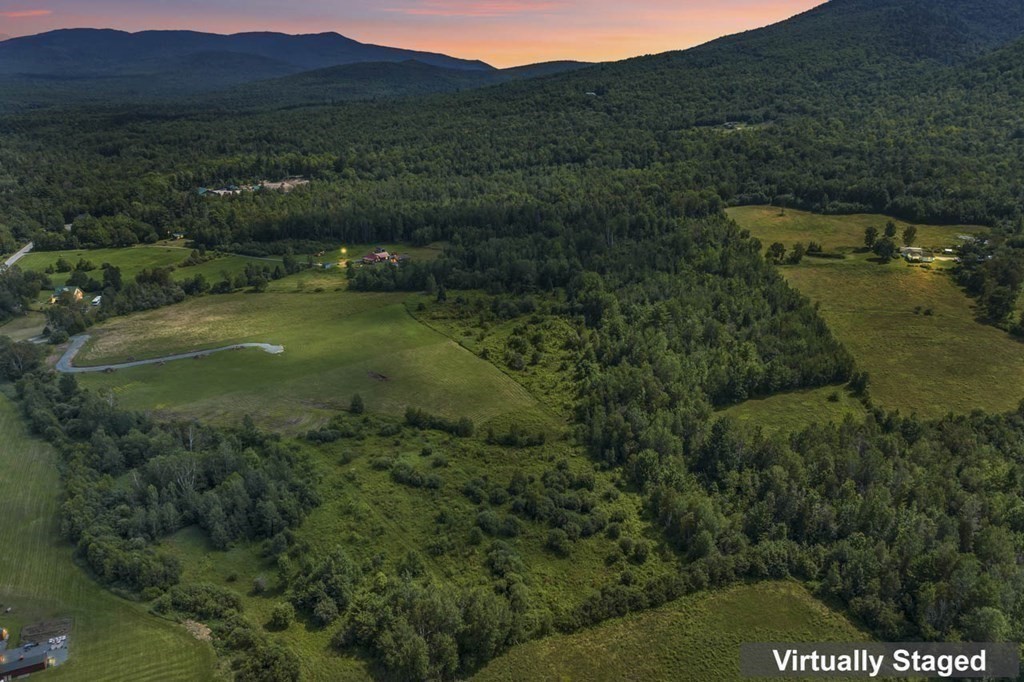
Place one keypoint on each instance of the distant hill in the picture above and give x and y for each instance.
(106, 65)
(840, 54)
(105, 52)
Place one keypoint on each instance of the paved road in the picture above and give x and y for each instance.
(65, 365)
(18, 256)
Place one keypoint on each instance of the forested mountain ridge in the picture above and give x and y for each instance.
(157, 68)
(106, 52)
(90, 66)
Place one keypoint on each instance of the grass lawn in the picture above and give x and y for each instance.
(336, 344)
(931, 364)
(112, 639)
(694, 638)
(25, 327)
(788, 412)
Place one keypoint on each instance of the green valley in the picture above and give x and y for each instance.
(329, 362)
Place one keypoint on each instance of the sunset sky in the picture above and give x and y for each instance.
(501, 32)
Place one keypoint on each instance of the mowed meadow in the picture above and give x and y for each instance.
(337, 343)
(910, 327)
(694, 638)
(112, 639)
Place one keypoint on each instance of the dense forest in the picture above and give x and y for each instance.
(879, 111)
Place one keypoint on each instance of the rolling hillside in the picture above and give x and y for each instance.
(586, 251)
(370, 80)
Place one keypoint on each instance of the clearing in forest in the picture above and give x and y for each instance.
(909, 326)
(336, 344)
(132, 260)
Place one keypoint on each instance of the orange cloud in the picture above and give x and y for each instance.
(21, 14)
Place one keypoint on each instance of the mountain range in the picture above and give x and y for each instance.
(83, 65)
(79, 53)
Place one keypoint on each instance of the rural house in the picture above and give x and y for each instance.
(70, 294)
(915, 254)
(379, 255)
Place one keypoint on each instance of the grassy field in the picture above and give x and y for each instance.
(910, 327)
(135, 259)
(789, 412)
(25, 327)
(695, 638)
(837, 233)
(337, 343)
(549, 379)
(112, 639)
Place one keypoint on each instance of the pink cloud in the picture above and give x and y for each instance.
(476, 8)
(22, 14)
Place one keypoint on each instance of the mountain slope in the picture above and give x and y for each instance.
(840, 55)
(371, 80)
(106, 66)
(842, 97)
(95, 52)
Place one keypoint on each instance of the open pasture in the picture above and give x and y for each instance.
(336, 344)
(25, 327)
(910, 327)
(842, 233)
(788, 412)
(137, 258)
(39, 580)
(694, 638)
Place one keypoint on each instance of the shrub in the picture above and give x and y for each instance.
(282, 615)
(558, 542)
(326, 611)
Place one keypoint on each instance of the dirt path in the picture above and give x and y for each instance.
(65, 366)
